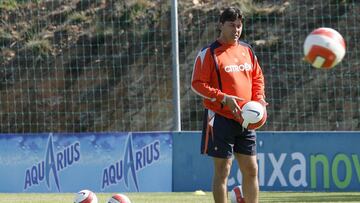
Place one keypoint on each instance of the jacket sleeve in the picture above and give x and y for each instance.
(202, 82)
(258, 84)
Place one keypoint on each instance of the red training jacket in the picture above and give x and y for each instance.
(240, 75)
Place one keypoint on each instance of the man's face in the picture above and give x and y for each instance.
(231, 30)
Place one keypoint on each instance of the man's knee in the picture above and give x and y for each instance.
(222, 175)
(222, 171)
(250, 171)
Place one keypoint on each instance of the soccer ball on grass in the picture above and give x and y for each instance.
(85, 196)
(237, 195)
(119, 198)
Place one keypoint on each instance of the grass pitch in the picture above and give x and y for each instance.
(184, 197)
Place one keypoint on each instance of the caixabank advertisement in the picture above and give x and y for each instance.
(288, 161)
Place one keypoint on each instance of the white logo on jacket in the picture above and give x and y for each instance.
(238, 68)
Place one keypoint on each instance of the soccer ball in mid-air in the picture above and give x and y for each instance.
(237, 195)
(253, 115)
(85, 196)
(119, 198)
(324, 48)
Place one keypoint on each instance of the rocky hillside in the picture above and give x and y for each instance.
(105, 65)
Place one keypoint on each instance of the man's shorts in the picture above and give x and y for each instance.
(221, 137)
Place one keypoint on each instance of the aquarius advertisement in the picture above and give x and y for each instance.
(102, 162)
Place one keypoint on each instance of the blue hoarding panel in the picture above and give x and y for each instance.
(309, 161)
(102, 162)
(288, 161)
(163, 162)
(191, 171)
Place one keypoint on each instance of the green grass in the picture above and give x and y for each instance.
(289, 197)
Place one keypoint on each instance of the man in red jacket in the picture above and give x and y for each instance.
(227, 74)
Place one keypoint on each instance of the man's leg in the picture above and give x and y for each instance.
(221, 172)
(249, 169)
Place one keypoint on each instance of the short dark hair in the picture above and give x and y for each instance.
(230, 14)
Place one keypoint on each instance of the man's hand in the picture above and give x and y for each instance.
(231, 102)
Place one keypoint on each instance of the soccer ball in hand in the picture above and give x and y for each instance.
(324, 48)
(237, 195)
(253, 115)
(85, 196)
(119, 198)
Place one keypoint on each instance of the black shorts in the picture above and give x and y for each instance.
(221, 137)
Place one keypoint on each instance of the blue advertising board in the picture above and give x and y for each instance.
(102, 162)
(171, 161)
(288, 161)
(308, 161)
